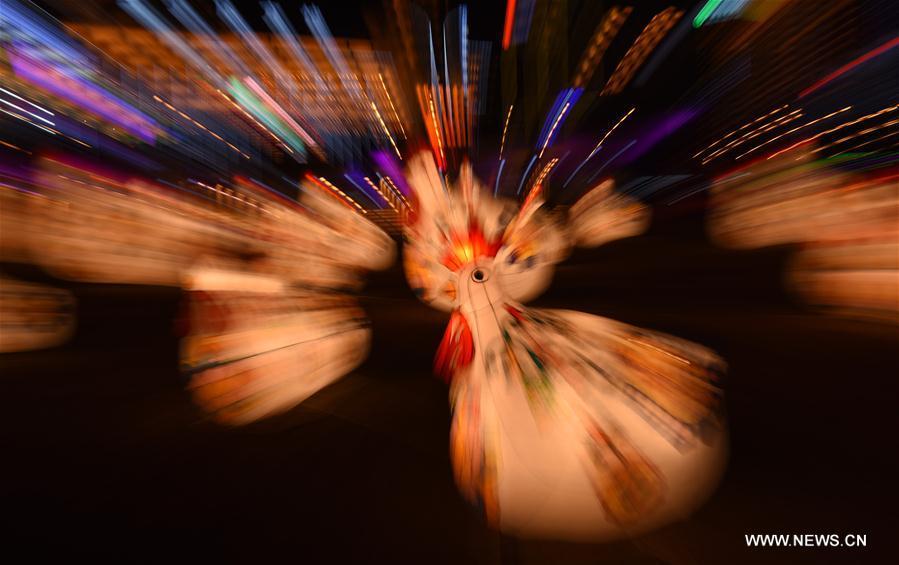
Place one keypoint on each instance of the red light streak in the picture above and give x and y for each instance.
(849, 66)
(510, 19)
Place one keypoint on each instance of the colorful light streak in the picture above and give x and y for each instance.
(803, 126)
(393, 187)
(606, 31)
(436, 131)
(277, 109)
(648, 39)
(362, 190)
(386, 130)
(510, 21)
(849, 66)
(525, 175)
(24, 111)
(857, 134)
(340, 195)
(794, 115)
(553, 129)
(741, 128)
(199, 125)
(705, 12)
(609, 162)
(599, 145)
(86, 95)
(250, 117)
(49, 130)
(566, 99)
(378, 190)
(30, 103)
(837, 128)
(392, 107)
(257, 108)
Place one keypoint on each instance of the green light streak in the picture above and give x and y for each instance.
(705, 12)
(258, 109)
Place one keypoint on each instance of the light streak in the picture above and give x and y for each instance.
(32, 114)
(803, 126)
(235, 21)
(257, 122)
(850, 65)
(499, 173)
(393, 187)
(199, 125)
(525, 175)
(510, 20)
(741, 128)
(274, 106)
(837, 128)
(602, 38)
(794, 115)
(648, 39)
(387, 131)
(609, 162)
(362, 190)
(378, 190)
(705, 12)
(392, 107)
(16, 96)
(875, 140)
(436, 128)
(26, 120)
(343, 197)
(618, 123)
(553, 128)
(16, 147)
(857, 134)
(502, 143)
(599, 145)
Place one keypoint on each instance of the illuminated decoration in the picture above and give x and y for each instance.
(601, 216)
(841, 224)
(606, 31)
(648, 39)
(34, 316)
(565, 425)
